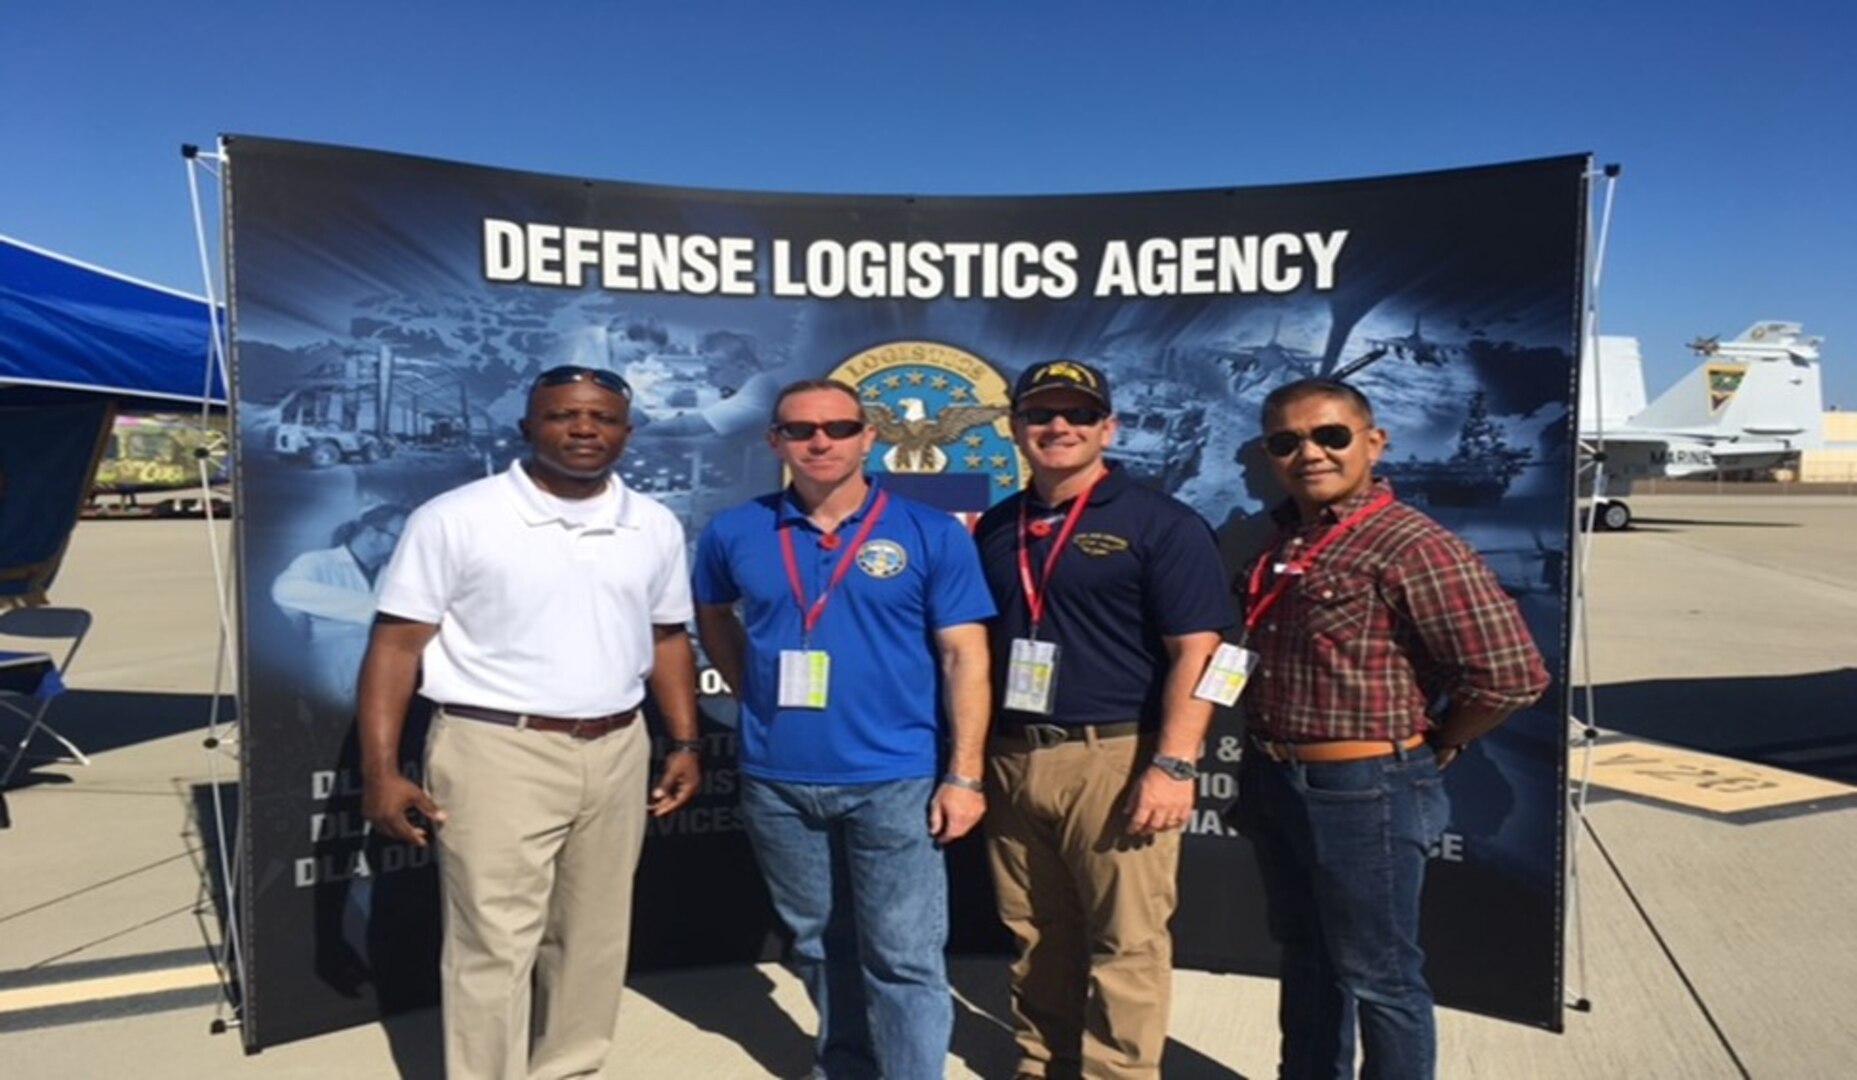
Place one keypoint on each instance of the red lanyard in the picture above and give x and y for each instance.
(1255, 607)
(1034, 594)
(809, 613)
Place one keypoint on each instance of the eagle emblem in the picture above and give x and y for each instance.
(916, 438)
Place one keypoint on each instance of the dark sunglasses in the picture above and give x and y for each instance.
(571, 373)
(801, 430)
(1075, 416)
(1326, 436)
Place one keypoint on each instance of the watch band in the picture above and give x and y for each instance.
(962, 782)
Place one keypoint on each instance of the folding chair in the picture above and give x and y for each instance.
(42, 623)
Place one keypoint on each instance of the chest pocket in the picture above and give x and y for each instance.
(1336, 607)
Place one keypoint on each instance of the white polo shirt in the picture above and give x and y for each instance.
(544, 605)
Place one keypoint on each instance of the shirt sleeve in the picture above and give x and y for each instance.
(419, 580)
(671, 606)
(313, 585)
(957, 590)
(712, 582)
(1477, 644)
(1186, 589)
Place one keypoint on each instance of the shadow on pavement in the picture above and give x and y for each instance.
(98, 721)
(1803, 723)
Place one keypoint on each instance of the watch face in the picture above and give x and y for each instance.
(1177, 768)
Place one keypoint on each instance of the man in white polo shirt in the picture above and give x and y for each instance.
(542, 604)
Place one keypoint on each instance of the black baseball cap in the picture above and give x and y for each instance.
(1062, 375)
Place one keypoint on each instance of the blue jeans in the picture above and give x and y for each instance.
(1341, 850)
(855, 875)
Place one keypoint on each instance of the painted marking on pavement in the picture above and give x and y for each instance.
(1698, 781)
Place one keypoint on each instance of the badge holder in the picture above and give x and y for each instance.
(1226, 674)
(805, 675)
(1031, 676)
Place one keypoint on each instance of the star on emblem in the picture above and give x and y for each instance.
(915, 378)
(975, 440)
(893, 381)
(973, 461)
(999, 461)
(871, 393)
(1004, 480)
(939, 382)
(959, 393)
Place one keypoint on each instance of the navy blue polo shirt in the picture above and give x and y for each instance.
(1141, 565)
(916, 573)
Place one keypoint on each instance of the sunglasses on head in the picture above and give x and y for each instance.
(801, 430)
(1075, 416)
(1326, 436)
(571, 373)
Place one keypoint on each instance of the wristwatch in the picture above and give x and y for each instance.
(1178, 768)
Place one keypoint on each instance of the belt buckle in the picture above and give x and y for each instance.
(1045, 736)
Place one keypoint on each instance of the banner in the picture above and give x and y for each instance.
(388, 313)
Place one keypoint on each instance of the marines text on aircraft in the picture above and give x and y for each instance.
(1162, 431)
(1478, 472)
(1753, 403)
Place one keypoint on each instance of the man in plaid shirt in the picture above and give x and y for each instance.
(1384, 647)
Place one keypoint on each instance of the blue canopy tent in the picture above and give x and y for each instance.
(76, 344)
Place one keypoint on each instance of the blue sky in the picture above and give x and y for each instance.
(1736, 123)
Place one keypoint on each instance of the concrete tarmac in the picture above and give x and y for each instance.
(1708, 944)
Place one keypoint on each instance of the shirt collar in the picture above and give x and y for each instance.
(1286, 514)
(530, 505)
(1113, 483)
(789, 509)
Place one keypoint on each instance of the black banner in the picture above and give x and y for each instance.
(388, 313)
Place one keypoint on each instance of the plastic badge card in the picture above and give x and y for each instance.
(804, 676)
(1031, 676)
(1225, 676)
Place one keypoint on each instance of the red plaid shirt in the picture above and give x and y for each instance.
(1396, 613)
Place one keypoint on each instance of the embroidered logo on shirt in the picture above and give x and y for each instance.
(1095, 543)
(882, 558)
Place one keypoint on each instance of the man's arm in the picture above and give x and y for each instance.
(1158, 801)
(673, 687)
(389, 674)
(1475, 638)
(955, 810)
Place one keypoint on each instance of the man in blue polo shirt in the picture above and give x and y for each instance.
(1111, 598)
(855, 607)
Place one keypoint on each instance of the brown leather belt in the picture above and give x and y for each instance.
(1041, 736)
(1335, 749)
(589, 728)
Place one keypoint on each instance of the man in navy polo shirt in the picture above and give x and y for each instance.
(856, 606)
(1111, 598)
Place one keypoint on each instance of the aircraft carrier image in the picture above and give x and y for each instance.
(1478, 472)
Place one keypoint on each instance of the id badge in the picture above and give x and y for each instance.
(1031, 676)
(1225, 676)
(804, 676)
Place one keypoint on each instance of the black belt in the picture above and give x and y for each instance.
(591, 727)
(1041, 736)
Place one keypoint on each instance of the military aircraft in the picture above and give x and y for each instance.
(161, 454)
(1753, 402)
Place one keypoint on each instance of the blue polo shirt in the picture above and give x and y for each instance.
(1141, 565)
(916, 573)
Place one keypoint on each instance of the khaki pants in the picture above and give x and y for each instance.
(1088, 905)
(538, 850)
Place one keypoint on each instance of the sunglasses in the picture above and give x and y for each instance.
(1075, 416)
(1326, 436)
(801, 430)
(571, 373)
